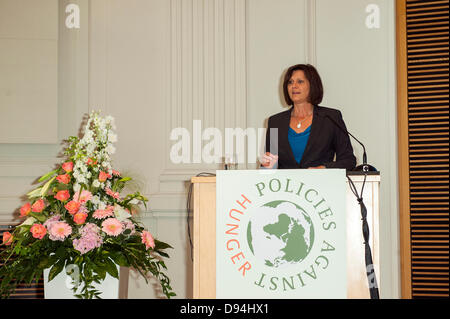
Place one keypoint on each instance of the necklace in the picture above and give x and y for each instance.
(300, 122)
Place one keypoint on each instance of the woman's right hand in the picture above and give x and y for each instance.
(268, 160)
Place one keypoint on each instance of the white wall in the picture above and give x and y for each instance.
(28, 71)
(276, 39)
(158, 64)
(22, 161)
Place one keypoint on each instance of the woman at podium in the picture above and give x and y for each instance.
(307, 135)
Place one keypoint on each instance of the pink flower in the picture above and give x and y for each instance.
(112, 227)
(53, 219)
(83, 209)
(80, 218)
(25, 210)
(82, 198)
(112, 194)
(67, 166)
(65, 179)
(62, 195)
(128, 224)
(38, 231)
(59, 231)
(103, 213)
(148, 240)
(7, 238)
(72, 207)
(38, 206)
(115, 173)
(90, 239)
(102, 176)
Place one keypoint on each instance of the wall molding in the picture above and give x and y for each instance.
(26, 166)
(310, 32)
(207, 68)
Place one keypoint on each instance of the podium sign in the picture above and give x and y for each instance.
(281, 234)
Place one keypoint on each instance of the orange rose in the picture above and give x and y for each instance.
(80, 218)
(67, 166)
(65, 179)
(25, 210)
(62, 195)
(7, 238)
(72, 207)
(38, 231)
(90, 161)
(102, 177)
(38, 206)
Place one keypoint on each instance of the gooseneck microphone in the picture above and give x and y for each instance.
(364, 167)
(370, 271)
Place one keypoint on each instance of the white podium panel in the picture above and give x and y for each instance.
(354, 274)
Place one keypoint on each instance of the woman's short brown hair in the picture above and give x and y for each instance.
(315, 83)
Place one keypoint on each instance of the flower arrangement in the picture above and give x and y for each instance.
(79, 217)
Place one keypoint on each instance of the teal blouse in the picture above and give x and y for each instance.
(298, 142)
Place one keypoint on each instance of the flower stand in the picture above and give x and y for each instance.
(61, 286)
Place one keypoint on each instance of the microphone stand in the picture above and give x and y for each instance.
(370, 271)
(365, 168)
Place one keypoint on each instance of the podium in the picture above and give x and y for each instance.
(204, 236)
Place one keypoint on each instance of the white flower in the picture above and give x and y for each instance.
(29, 221)
(120, 213)
(91, 148)
(134, 201)
(110, 149)
(81, 180)
(95, 199)
(76, 187)
(112, 137)
(96, 183)
(110, 120)
(88, 135)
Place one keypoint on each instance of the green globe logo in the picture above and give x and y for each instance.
(280, 233)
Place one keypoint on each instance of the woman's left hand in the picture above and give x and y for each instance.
(316, 167)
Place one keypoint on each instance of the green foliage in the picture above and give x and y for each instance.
(48, 175)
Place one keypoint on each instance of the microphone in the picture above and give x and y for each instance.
(364, 167)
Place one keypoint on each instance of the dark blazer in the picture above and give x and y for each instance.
(325, 141)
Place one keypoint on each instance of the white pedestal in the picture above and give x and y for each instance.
(111, 288)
